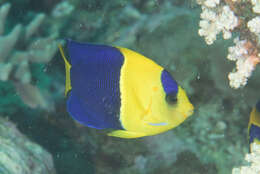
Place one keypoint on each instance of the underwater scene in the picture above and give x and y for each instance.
(129, 87)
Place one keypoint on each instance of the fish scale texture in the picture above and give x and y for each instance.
(95, 96)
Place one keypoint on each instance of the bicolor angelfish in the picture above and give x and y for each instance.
(254, 125)
(114, 87)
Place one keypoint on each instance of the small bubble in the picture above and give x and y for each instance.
(221, 125)
(198, 77)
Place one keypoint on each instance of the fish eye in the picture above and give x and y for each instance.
(171, 98)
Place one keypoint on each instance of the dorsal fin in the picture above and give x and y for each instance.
(67, 68)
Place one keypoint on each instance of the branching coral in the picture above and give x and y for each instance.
(228, 16)
(91, 23)
(18, 50)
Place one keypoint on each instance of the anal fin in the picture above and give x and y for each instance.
(126, 134)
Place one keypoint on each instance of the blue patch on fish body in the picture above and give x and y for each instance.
(254, 133)
(95, 96)
(170, 86)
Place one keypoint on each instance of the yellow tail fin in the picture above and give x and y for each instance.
(67, 68)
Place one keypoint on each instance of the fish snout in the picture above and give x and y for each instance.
(189, 112)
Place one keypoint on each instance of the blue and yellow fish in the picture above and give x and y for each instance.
(254, 125)
(114, 87)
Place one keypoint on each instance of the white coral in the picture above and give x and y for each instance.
(254, 25)
(227, 21)
(208, 3)
(217, 18)
(244, 64)
(254, 162)
(256, 6)
(213, 23)
(211, 3)
(238, 51)
(244, 70)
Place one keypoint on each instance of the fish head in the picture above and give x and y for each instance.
(177, 105)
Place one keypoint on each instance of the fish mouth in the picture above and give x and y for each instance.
(188, 113)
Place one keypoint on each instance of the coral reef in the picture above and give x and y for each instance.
(62, 9)
(212, 141)
(19, 155)
(214, 138)
(120, 23)
(216, 132)
(228, 16)
(19, 49)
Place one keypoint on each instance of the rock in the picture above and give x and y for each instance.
(19, 155)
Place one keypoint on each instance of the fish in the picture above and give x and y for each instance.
(110, 87)
(254, 125)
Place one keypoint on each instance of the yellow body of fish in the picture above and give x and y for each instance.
(144, 110)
